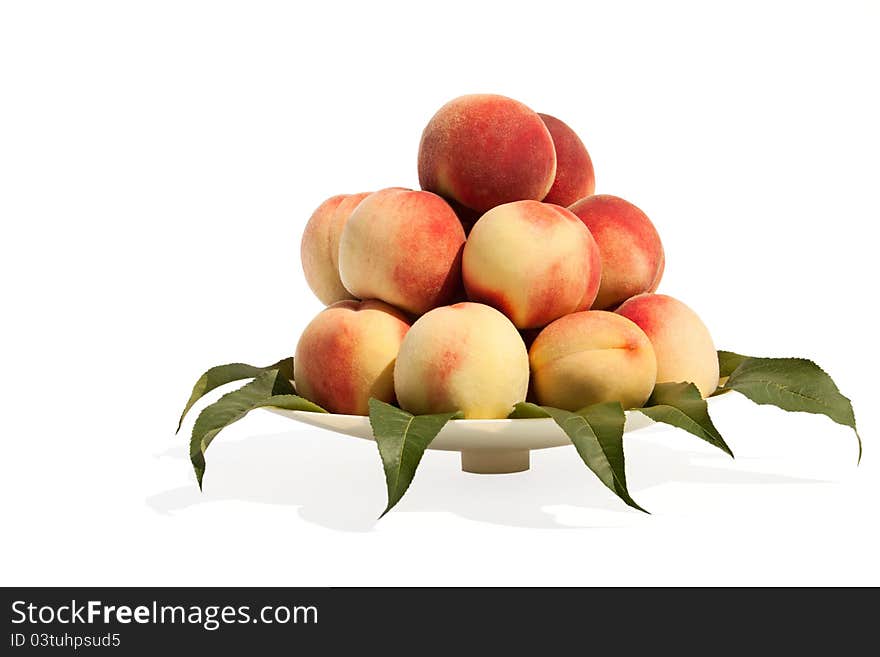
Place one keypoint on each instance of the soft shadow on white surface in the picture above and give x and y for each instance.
(337, 482)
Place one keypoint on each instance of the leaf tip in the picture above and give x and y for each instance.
(200, 474)
(638, 508)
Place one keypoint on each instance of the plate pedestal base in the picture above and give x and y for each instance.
(495, 461)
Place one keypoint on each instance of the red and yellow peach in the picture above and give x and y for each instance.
(592, 357)
(684, 348)
(632, 254)
(346, 355)
(533, 261)
(575, 178)
(484, 150)
(467, 357)
(403, 247)
(319, 248)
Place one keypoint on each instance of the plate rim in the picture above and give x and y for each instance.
(709, 400)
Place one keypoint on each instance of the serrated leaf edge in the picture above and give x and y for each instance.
(201, 387)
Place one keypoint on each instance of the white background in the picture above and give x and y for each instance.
(158, 161)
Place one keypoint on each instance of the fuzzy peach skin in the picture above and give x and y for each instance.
(592, 357)
(575, 178)
(632, 254)
(533, 261)
(346, 355)
(483, 150)
(319, 248)
(467, 357)
(685, 350)
(403, 247)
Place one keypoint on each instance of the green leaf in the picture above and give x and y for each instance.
(728, 361)
(291, 403)
(402, 439)
(527, 410)
(793, 384)
(597, 434)
(223, 374)
(271, 388)
(682, 406)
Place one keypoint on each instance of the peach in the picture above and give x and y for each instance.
(483, 150)
(684, 348)
(533, 261)
(591, 357)
(346, 355)
(467, 357)
(632, 254)
(403, 247)
(575, 178)
(319, 248)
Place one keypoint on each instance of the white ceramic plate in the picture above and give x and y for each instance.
(486, 446)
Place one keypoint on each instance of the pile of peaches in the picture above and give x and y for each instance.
(504, 279)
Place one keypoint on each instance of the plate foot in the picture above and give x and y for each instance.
(495, 461)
